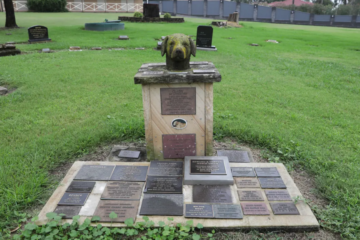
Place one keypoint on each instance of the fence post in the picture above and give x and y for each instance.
(205, 8)
(311, 19)
(255, 12)
(160, 6)
(292, 15)
(221, 14)
(175, 7)
(273, 13)
(189, 7)
(332, 18)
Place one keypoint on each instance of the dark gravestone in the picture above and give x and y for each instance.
(76, 186)
(151, 10)
(178, 101)
(123, 190)
(243, 172)
(166, 168)
(272, 183)
(38, 34)
(235, 156)
(288, 208)
(123, 209)
(267, 172)
(250, 195)
(207, 167)
(179, 145)
(164, 184)
(74, 199)
(255, 209)
(94, 172)
(162, 204)
(277, 195)
(199, 211)
(212, 194)
(227, 211)
(129, 154)
(204, 36)
(129, 173)
(69, 211)
(247, 183)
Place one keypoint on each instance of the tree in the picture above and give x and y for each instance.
(10, 14)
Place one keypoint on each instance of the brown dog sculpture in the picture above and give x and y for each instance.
(178, 48)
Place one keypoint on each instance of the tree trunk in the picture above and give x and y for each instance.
(10, 14)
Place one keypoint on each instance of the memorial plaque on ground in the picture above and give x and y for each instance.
(208, 167)
(179, 145)
(243, 172)
(123, 209)
(162, 204)
(38, 34)
(164, 184)
(123, 37)
(198, 71)
(130, 173)
(77, 186)
(247, 183)
(69, 211)
(74, 199)
(228, 211)
(178, 101)
(255, 209)
(250, 195)
(204, 36)
(287, 208)
(166, 168)
(267, 172)
(212, 194)
(235, 156)
(94, 172)
(277, 195)
(199, 211)
(129, 154)
(123, 190)
(271, 183)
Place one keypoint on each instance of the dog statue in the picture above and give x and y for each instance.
(178, 48)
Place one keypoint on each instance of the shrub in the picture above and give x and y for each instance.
(349, 9)
(167, 15)
(47, 5)
(138, 15)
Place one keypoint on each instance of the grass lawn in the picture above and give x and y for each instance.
(300, 99)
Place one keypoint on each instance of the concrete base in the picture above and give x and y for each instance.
(206, 49)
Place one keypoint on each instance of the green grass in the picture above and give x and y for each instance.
(299, 99)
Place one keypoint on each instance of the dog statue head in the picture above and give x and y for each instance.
(178, 48)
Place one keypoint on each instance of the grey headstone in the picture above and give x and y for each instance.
(162, 204)
(166, 168)
(267, 172)
(129, 173)
(228, 211)
(164, 184)
(243, 172)
(235, 155)
(77, 186)
(285, 208)
(73, 199)
(250, 195)
(212, 194)
(94, 172)
(271, 183)
(69, 211)
(278, 195)
(199, 211)
(129, 154)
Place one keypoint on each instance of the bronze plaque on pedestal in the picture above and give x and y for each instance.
(178, 101)
(179, 145)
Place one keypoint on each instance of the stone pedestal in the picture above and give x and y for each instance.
(178, 109)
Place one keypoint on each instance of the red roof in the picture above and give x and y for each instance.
(289, 2)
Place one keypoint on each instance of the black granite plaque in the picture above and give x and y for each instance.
(162, 204)
(208, 167)
(74, 199)
(243, 172)
(164, 184)
(235, 156)
(277, 195)
(228, 211)
(123, 190)
(129, 173)
(38, 34)
(204, 36)
(123, 209)
(178, 101)
(94, 172)
(166, 168)
(129, 154)
(69, 211)
(286, 208)
(271, 183)
(77, 186)
(212, 194)
(267, 172)
(179, 145)
(250, 195)
(199, 211)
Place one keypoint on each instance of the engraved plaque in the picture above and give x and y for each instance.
(247, 183)
(162, 204)
(277, 195)
(129, 154)
(199, 63)
(69, 211)
(197, 71)
(255, 209)
(123, 190)
(77, 186)
(178, 101)
(287, 208)
(179, 145)
(74, 199)
(243, 172)
(267, 172)
(250, 195)
(235, 156)
(272, 183)
(212, 194)
(228, 211)
(199, 211)
(123, 209)
(38, 33)
(130, 173)
(94, 172)
(166, 168)
(153, 73)
(164, 184)
(208, 167)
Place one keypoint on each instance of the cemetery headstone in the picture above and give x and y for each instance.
(151, 10)
(204, 38)
(45, 50)
(94, 172)
(38, 34)
(271, 183)
(247, 183)
(255, 209)
(212, 194)
(122, 191)
(286, 208)
(123, 209)
(164, 184)
(228, 211)
(69, 211)
(166, 168)
(129, 154)
(250, 195)
(199, 211)
(199, 166)
(235, 156)
(123, 37)
(77, 186)
(129, 173)
(277, 195)
(243, 172)
(75, 199)
(162, 204)
(267, 172)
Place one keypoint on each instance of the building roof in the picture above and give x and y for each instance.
(289, 2)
